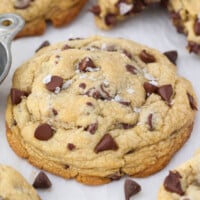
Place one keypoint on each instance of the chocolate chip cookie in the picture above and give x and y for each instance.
(108, 12)
(37, 12)
(96, 109)
(14, 186)
(186, 17)
(183, 182)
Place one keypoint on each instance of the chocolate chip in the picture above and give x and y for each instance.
(104, 94)
(92, 128)
(96, 10)
(172, 183)
(77, 38)
(131, 188)
(192, 102)
(114, 177)
(22, 4)
(106, 143)
(71, 146)
(164, 3)
(125, 103)
(172, 56)
(66, 47)
(89, 104)
(149, 88)
(66, 166)
(16, 95)
(85, 63)
(127, 126)
(93, 92)
(131, 69)
(42, 181)
(44, 44)
(55, 112)
(193, 47)
(165, 92)
(110, 19)
(197, 27)
(149, 121)
(43, 132)
(56, 82)
(146, 57)
(82, 85)
(127, 53)
(111, 48)
(138, 6)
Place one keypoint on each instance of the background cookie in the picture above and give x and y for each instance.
(14, 186)
(37, 12)
(98, 108)
(185, 16)
(183, 182)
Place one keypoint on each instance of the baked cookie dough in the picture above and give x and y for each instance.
(96, 109)
(185, 15)
(183, 182)
(37, 12)
(109, 12)
(14, 186)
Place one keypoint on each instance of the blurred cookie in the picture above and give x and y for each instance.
(14, 186)
(108, 13)
(183, 182)
(96, 109)
(186, 17)
(37, 12)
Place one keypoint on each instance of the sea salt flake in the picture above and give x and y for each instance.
(154, 82)
(124, 8)
(117, 98)
(106, 82)
(83, 76)
(91, 69)
(57, 90)
(47, 79)
(130, 90)
(104, 46)
(67, 84)
(137, 110)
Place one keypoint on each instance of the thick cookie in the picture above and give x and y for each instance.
(109, 12)
(98, 108)
(183, 182)
(37, 12)
(14, 186)
(186, 17)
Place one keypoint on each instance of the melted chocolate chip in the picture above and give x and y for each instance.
(89, 104)
(44, 44)
(131, 69)
(164, 3)
(106, 143)
(66, 47)
(104, 94)
(114, 177)
(92, 128)
(55, 112)
(22, 4)
(138, 6)
(71, 146)
(149, 88)
(127, 53)
(172, 56)
(93, 92)
(146, 57)
(197, 27)
(172, 183)
(193, 47)
(127, 126)
(43, 132)
(165, 92)
(131, 188)
(149, 121)
(16, 95)
(42, 181)
(82, 85)
(110, 19)
(125, 103)
(56, 82)
(85, 63)
(96, 10)
(192, 102)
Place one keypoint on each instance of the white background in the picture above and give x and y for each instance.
(153, 28)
